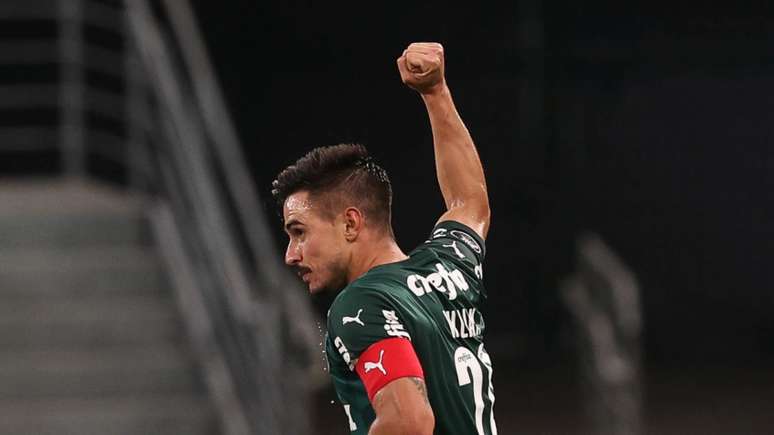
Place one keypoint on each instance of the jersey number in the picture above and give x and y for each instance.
(469, 370)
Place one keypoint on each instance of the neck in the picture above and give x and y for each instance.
(382, 251)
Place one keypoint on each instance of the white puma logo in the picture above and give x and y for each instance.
(456, 249)
(376, 365)
(356, 319)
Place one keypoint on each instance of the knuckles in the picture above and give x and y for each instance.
(420, 65)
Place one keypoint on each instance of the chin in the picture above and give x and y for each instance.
(316, 287)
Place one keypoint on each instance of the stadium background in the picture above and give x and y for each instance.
(649, 126)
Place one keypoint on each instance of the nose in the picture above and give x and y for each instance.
(292, 254)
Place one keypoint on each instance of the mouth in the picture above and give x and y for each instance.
(304, 274)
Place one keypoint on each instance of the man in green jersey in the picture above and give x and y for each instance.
(405, 335)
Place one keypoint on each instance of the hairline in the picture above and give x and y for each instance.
(326, 209)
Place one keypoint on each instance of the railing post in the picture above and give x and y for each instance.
(71, 98)
(136, 112)
(604, 297)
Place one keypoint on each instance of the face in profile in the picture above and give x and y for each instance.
(316, 246)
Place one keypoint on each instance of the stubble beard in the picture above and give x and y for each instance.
(337, 272)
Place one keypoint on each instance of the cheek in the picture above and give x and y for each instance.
(310, 249)
(322, 252)
(314, 252)
(334, 262)
(326, 256)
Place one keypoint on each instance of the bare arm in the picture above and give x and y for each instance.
(460, 174)
(402, 408)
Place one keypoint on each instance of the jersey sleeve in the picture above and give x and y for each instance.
(361, 317)
(458, 244)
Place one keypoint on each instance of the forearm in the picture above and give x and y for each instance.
(460, 175)
(459, 170)
(396, 426)
(382, 427)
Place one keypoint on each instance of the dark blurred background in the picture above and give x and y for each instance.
(649, 125)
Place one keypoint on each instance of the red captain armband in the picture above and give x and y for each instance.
(385, 361)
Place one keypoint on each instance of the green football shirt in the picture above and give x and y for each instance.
(433, 299)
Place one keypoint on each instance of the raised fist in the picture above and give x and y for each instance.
(421, 66)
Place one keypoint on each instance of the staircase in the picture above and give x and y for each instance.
(91, 340)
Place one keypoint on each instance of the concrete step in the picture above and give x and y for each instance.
(32, 321)
(91, 258)
(120, 279)
(73, 230)
(61, 213)
(154, 415)
(90, 337)
(85, 308)
(82, 270)
(96, 373)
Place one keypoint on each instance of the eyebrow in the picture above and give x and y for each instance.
(291, 223)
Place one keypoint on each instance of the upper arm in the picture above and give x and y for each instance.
(477, 218)
(367, 333)
(394, 381)
(402, 407)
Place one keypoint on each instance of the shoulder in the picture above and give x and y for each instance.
(456, 243)
(361, 315)
(452, 231)
(382, 286)
(357, 294)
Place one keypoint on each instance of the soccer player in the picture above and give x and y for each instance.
(405, 335)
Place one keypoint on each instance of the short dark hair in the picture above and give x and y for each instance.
(337, 176)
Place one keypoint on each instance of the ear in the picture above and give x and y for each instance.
(353, 223)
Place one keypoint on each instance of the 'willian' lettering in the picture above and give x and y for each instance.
(462, 323)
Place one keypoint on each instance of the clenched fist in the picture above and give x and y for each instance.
(421, 67)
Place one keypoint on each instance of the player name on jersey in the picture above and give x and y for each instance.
(462, 323)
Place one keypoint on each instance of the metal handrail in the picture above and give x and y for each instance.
(254, 299)
(216, 117)
(182, 132)
(275, 281)
(60, 57)
(219, 125)
(200, 328)
(169, 128)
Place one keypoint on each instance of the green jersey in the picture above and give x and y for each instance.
(433, 299)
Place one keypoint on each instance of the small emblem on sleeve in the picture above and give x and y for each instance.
(356, 319)
(376, 365)
(466, 239)
(456, 249)
(393, 326)
(440, 232)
